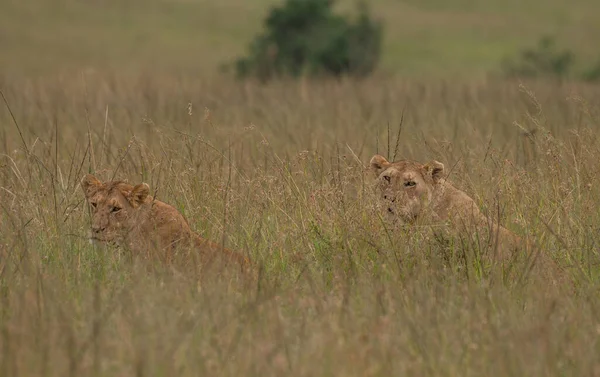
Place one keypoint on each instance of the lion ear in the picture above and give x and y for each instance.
(89, 185)
(138, 195)
(378, 164)
(435, 169)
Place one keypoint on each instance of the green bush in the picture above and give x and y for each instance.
(306, 37)
(593, 73)
(543, 60)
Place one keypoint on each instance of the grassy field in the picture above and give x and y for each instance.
(426, 38)
(130, 90)
(279, 171)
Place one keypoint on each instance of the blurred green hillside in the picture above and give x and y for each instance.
(422, 37)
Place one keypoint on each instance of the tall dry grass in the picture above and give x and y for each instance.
(278, 172)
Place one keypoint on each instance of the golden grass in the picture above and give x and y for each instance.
(278, 170)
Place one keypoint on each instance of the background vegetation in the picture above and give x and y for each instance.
(132, 89)
(308, 38)
(422, 37)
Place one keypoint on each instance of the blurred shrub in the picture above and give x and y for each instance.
(545, 60)
(542, 60)
(306, 37)
(592, 74)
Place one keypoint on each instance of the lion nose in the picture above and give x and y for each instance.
(98, 228)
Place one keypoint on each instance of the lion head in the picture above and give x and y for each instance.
(406, 187)
(113, 206)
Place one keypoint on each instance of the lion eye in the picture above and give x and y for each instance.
(387, 178)
(410, 183)
(115, 209)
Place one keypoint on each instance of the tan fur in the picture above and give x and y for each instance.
(418, 193)
(127, 215)
(413, 192)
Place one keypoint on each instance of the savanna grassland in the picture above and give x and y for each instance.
(278, 172)
(195, 37)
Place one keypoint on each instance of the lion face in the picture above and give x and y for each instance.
(113, 206)
(405, 186)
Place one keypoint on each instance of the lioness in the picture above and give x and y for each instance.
(414, 192)
(127, 215)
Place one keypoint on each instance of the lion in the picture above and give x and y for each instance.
(419, 193)
(127, 215)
